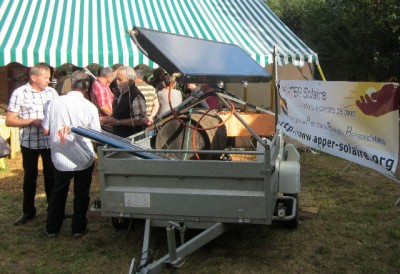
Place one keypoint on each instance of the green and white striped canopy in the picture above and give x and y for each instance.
(82, 32)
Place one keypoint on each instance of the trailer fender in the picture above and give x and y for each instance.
(289, 177)
(291, 153)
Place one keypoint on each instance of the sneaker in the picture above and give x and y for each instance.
(23, 219)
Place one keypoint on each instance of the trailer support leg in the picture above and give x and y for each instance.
(177, 256)
(146, 241)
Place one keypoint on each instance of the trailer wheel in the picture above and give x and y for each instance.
(120, 223)
(294, 223)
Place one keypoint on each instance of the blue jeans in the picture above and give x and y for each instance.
(30, 159)
(58, 199)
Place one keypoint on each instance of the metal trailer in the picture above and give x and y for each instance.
(209, 194)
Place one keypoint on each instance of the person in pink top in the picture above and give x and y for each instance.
(101, 95)
(212, 101)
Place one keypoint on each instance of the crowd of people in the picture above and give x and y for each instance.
(121, 100)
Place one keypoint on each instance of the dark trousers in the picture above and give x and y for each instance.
(30, 158)
(56, 209)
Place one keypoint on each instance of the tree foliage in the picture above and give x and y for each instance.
(356, 40)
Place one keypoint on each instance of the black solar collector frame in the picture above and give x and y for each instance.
(198, 60)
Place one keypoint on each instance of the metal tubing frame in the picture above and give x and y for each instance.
(183, 151)
(181, 109)
(235, 100)
(255, 135)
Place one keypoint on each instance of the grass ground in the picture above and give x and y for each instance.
(356, 230)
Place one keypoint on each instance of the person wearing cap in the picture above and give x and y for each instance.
(73, 155)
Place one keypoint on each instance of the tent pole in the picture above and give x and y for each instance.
(245, 84)
(272, 94)
(274, 85)
(272, 89)
(320, 71)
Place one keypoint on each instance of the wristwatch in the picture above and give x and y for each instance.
(119, 122)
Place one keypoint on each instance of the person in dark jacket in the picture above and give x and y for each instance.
(129, 109)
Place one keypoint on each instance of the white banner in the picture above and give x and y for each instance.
(355, 121)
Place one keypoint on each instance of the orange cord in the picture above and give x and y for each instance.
(195, 128)
(195, 132)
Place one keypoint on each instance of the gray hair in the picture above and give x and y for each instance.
(38, 67)
(139, 74)
(80, 80)
(106, 72)
(129, 72)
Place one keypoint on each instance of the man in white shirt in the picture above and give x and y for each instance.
(73, 155)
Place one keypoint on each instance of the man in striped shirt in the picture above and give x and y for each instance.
(150, 95)
(26, 110)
